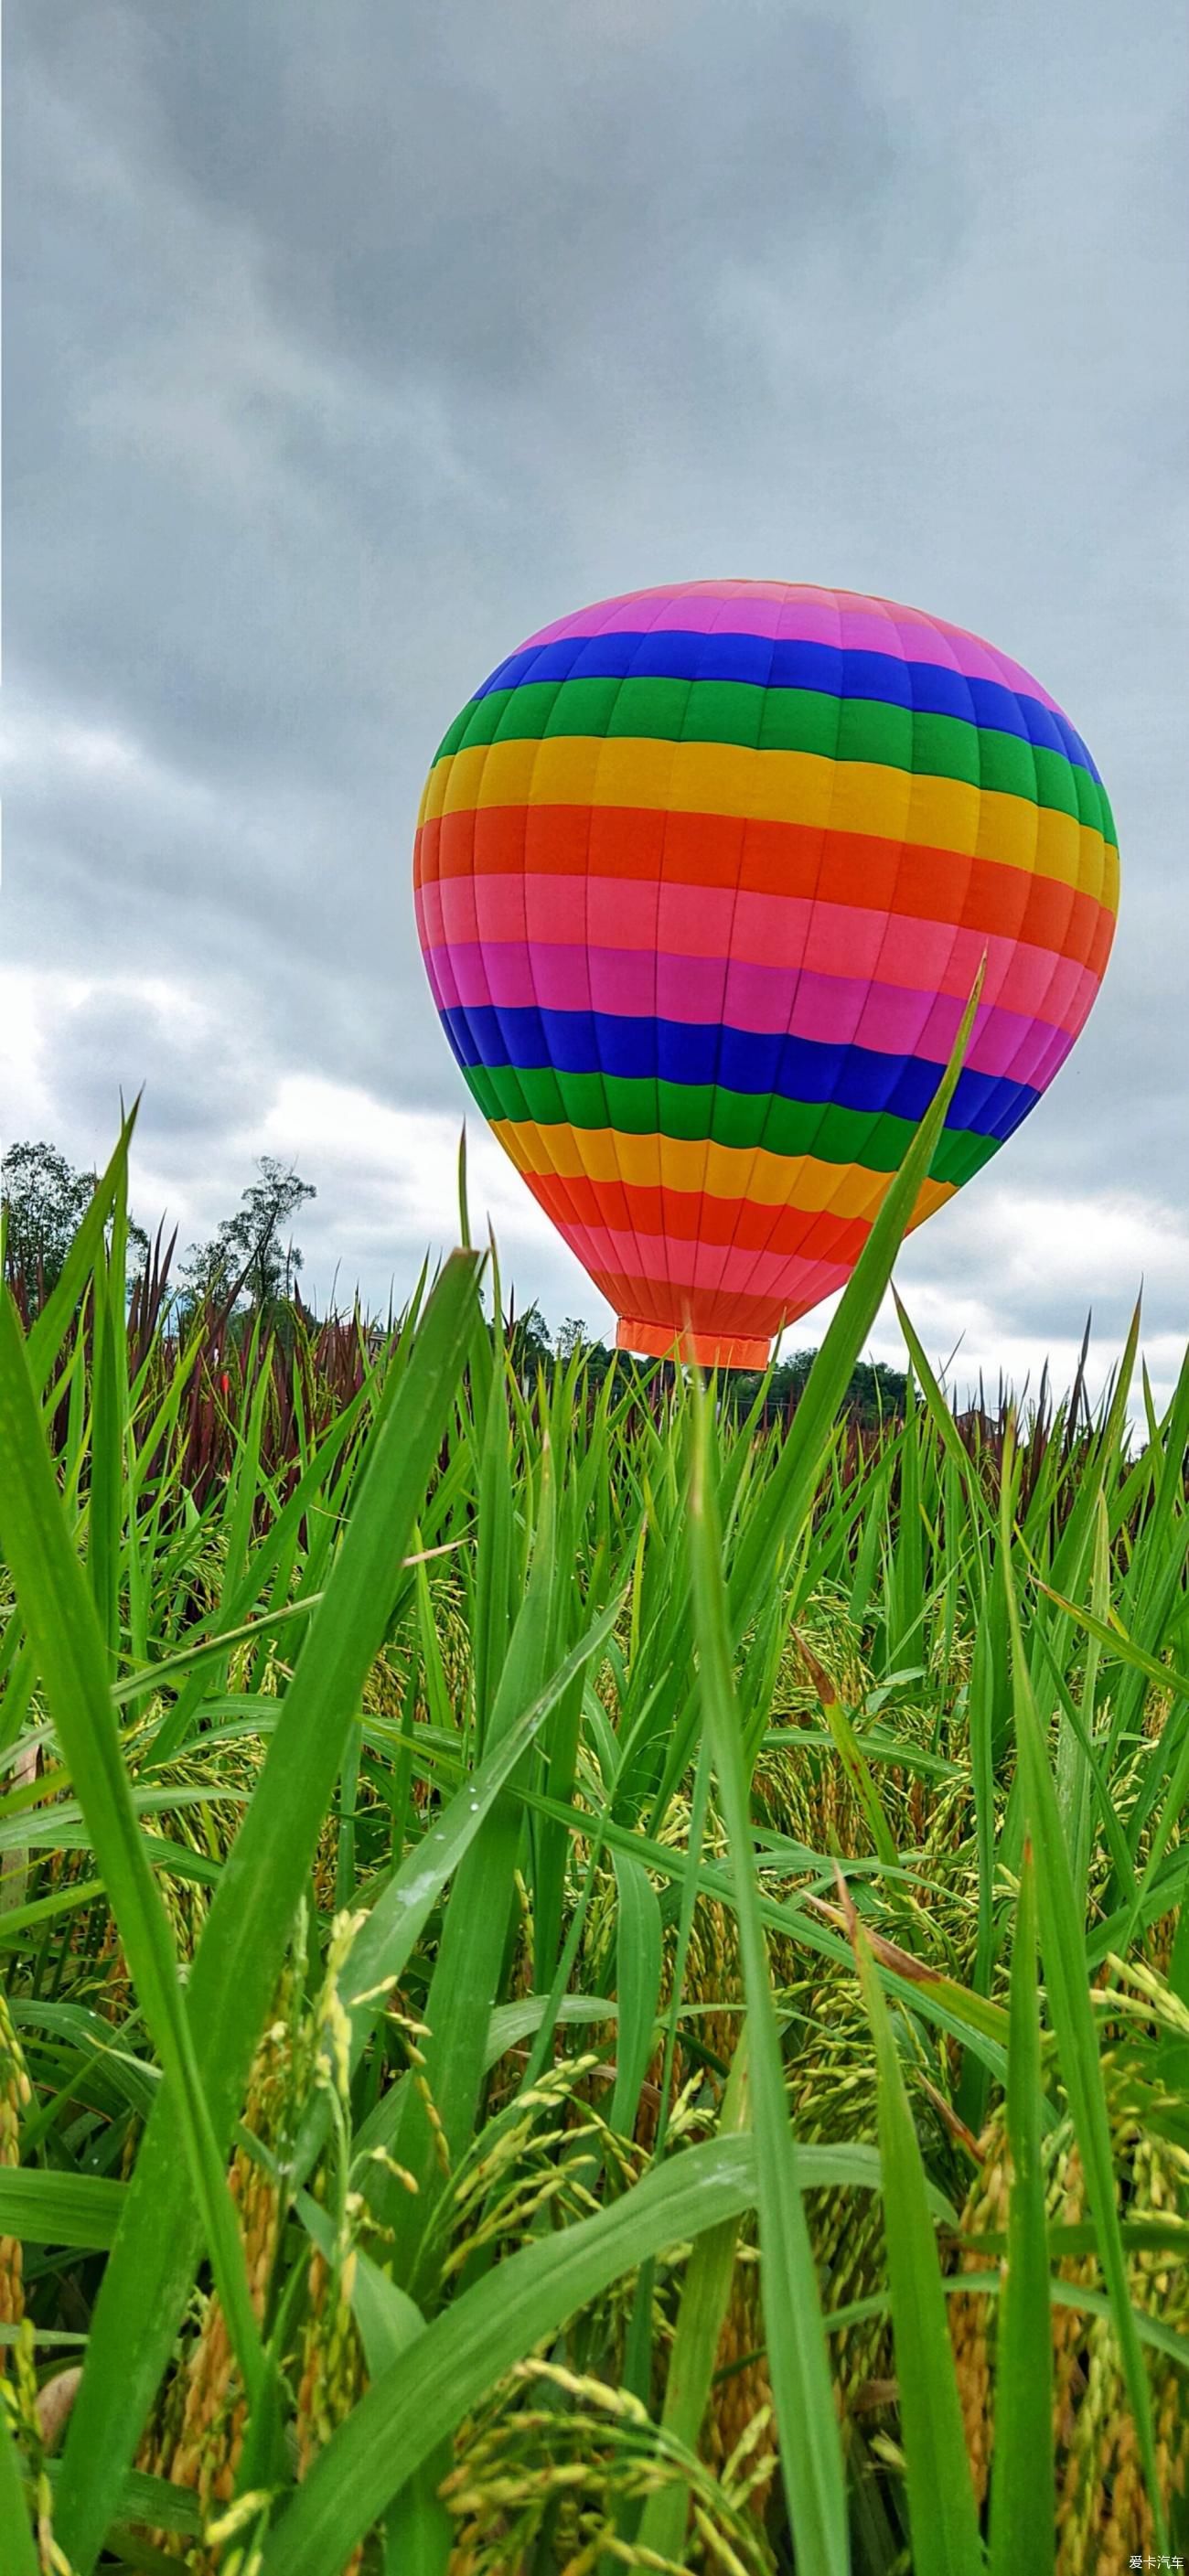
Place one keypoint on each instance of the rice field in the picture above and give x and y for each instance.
(588, 1983)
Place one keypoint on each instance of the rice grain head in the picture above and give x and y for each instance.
(15, 2096)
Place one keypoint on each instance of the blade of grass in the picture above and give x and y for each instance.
(1073, 1762)
(463, 1987)
(49, 1330)
(105, 1497)
(941, 2508)
(638, 1982)
(1022, 2489)
(798, 2359)
(18, 2555)
(1067, 1982)
(62, 1625)
(1112, 1634)
(46, 2208)
(239, 1957)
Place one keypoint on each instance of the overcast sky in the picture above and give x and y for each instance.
(349, 342)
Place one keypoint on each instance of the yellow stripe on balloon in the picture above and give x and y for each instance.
(723, 1171)
(777, 786)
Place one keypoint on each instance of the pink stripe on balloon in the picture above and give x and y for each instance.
(813, 1281)
(431, 925)
(708, 1267)
(833, 1010)
(624, 912)
(646, 1299)
(787, 931)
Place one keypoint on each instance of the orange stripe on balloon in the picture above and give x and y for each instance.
(703, 850)
(621, 771)
(752, 1225)
(685, 1216)
(706, 1350)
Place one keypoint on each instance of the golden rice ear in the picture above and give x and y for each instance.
(55, 2397)
(15, 2098)
(1103, 2515)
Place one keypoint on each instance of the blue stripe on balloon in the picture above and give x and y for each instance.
(927, 688)
(692, 1052)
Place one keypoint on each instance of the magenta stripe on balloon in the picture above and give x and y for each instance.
(442, 981)
(833, 1010)
(786, 931)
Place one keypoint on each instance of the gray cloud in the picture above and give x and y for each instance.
(118, 1037)
(346, 344)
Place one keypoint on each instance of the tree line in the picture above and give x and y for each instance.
(252, 1265)
(875, 1392)
(251, 1261)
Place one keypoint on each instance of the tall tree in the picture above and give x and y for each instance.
(251, 1254)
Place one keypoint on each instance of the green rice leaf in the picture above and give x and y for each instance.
(945, 2536)
(638, 1979)
(47, 2208)
(18, 2555)
(235, 1972)
(64, 1632)
(48, 1331)
(810, 2451)
(1067, 1984)
(1022, 2488)
(705, 2297)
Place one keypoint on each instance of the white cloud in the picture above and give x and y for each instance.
(27, 1006)
(1000, 1281)
(392, 1174)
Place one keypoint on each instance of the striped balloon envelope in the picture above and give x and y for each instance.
(704, 877)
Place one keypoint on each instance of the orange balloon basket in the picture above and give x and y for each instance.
(707, 1350)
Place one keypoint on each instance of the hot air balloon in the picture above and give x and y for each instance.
(704, 877)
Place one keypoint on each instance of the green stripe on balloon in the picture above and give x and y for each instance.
(807, 720)
(698, 1113)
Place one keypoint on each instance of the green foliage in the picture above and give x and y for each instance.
(1022, 2492)
(44, 1202)
(426, 1755)
(251, 1255)
(874, 1393)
